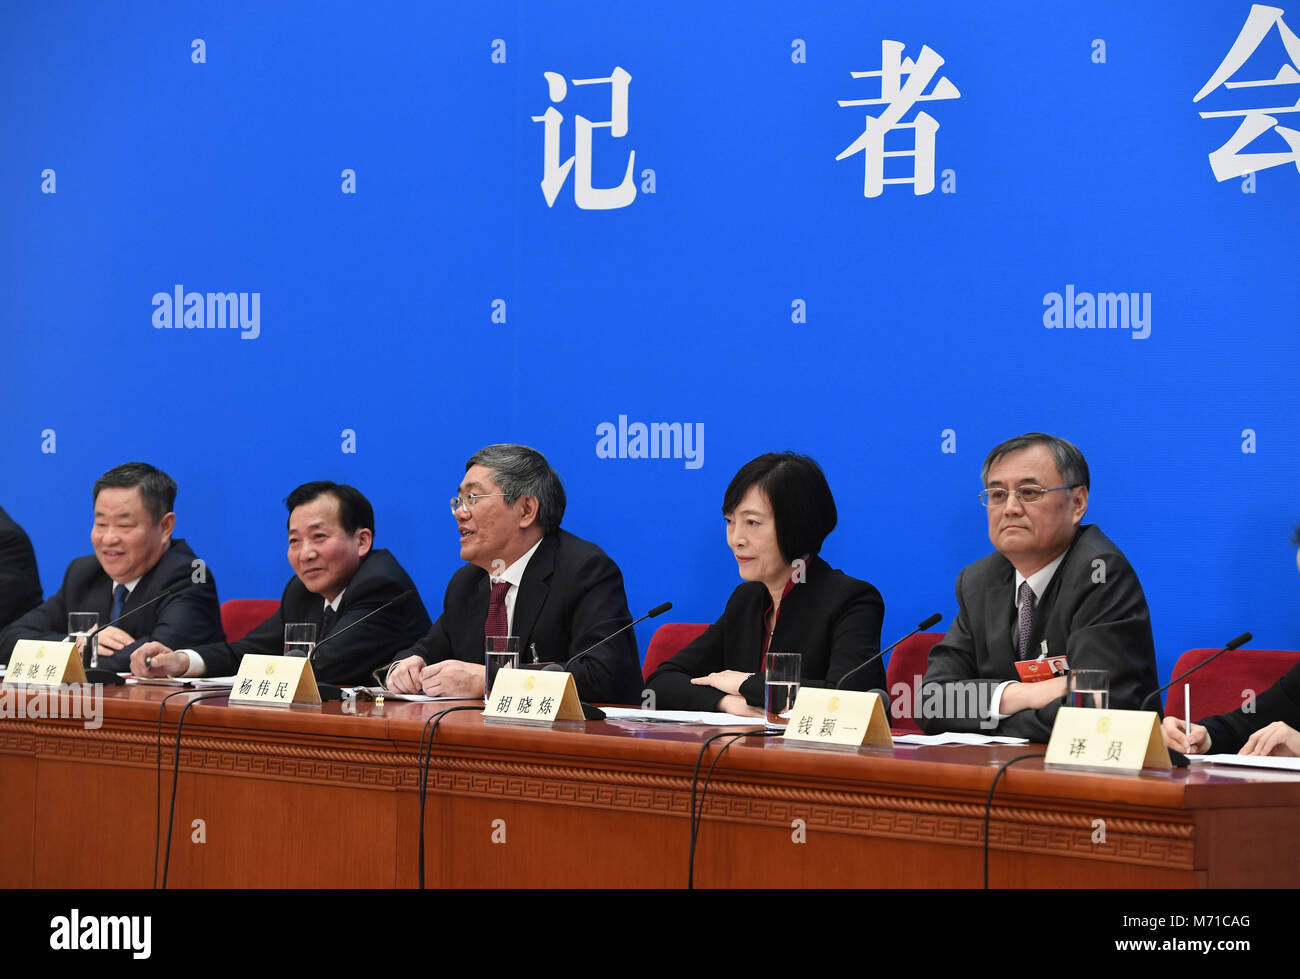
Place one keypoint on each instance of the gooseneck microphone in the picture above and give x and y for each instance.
(590, 712)
(925, 624)
(1177, 757)
(110, 677)
(1241, 640)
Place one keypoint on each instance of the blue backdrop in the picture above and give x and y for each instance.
(372, 175)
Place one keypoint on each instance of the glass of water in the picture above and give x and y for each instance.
(80, 625)
(299, 638)
(781, 687)
(1090, 688)
(502, 653)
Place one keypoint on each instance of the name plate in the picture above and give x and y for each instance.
(1107, 740)
(280, 681)
(44, 664)
(846, 718)
(535, 696)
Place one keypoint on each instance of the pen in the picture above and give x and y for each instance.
(1187, 713)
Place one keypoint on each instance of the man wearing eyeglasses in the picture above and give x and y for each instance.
(525, 577)
(1054, 587)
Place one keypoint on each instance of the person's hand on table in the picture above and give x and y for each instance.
(1278, 738)
(733, 703)
(453, 678)
(155, 659)
(1176, 737)
(404, 677)
(1031, 696)
(114, 639)
(728, 681)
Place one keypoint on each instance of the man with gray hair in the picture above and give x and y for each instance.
(1055, 586)
(527, 578)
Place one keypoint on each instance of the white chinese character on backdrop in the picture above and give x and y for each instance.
(1227, 161)
(555, 173)
(899, 98)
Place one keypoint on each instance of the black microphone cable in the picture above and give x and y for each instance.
(695, 821)
(425, 753)
(176, 771)
(988, 808)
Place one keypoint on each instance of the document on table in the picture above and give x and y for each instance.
(957, 738)
(415, 698)
(193, 682)
(1252, 761)
(679, 717)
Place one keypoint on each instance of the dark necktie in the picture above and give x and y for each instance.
(328, 620)
(119, 599)
(497, 623)
(1026, 618)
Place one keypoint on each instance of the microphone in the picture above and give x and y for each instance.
(110, 677)
(1241, 640)
(925, 624)
(330, 691)
(595, 713)
(1177, 757)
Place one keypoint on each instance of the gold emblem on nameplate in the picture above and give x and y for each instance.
(270, 668)
(530, 683)
(1103, 725)
(40, 653)
(833, 705)
(1033, 667)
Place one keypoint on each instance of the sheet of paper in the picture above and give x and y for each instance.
(1251, 761)
(955, 737)
(415, 698)
(679, 717)
(161, 681)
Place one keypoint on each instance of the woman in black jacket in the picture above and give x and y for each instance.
(779, 509)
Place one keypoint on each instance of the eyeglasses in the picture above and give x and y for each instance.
(469, 502)
(1029, 493)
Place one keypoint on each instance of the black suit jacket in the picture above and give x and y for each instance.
(350, 660)
(1280, 702)
(571, 596)
(1093, 611)
(20, 585)
(832, 620)
(188, 617)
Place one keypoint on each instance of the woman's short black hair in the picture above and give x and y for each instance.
(799, 495)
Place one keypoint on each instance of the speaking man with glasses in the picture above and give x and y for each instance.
(525, 577)
(1054, 585)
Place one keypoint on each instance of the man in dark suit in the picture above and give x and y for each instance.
(1054, 585)
(339, 578)
(135, 561)
(557, 593)
(20, 585)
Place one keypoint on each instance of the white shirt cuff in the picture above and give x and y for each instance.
(995, 704)
(196, 663)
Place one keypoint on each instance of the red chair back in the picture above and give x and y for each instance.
(667, 641)
(239, 616)
(906, 663)
(1217, 689)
